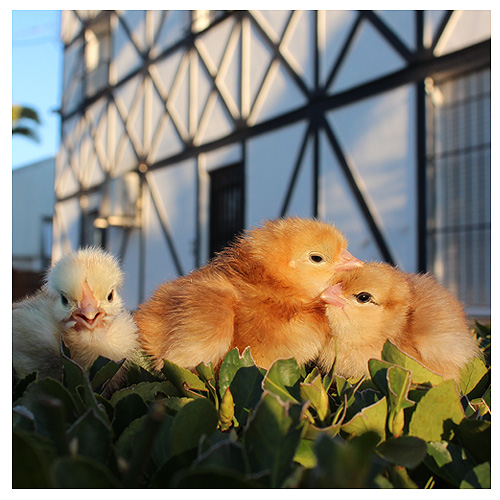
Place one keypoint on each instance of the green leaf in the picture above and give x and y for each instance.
(283, 380)
(35, 397)
(172, 468)
(193, 421)
(272, 437)
(148, 391)
(437, 413)
(475, 437)
(406, 451)
(141, 456)
(230, 366)
(206, 373)
(30, 464)
(371, 418)
(312, 390)
(419, 373)
(228, 455)
(449, 461)
(305, 454)
(478, 477)
(102, 371)
(82, 472)
(22, 384)
(246, 388)
(207, 478)
(471, 375)
(187, 383)
(90, 436)
(128, 409)
(343, 464)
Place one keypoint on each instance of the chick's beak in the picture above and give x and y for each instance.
(333, 295)
(88, 316)
(347, 261)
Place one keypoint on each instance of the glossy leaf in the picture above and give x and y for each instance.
(91, 436)
(471, 375)
(186, 382)
(406, 451)
(272, 438)
(371, 418)
(312, 389)
(437, 413)
(419, 373)
(30, 464)
(478, 477)
(283, 380)
(193, 421)
(82, 472)
(230, 366)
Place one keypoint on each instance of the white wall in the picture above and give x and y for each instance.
(32, 200)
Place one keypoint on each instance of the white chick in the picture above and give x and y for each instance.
(79, 302)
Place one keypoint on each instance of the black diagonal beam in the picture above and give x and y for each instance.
(295, 174)
(358, 195)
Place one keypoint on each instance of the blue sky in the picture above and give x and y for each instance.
(36, 80)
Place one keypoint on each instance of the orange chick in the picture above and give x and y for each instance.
(79, 302)
(262, 292)
(376, 302)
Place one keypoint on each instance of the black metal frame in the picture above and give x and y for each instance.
(418, 64)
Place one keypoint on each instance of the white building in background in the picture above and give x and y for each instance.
(32, 210)
(181, 128)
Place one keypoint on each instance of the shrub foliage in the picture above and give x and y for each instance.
(244, 427)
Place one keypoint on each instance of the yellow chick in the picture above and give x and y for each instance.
(261, 292)
(377, 302)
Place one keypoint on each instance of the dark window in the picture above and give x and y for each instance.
(459, 162)
(90, 234)
(226, 205)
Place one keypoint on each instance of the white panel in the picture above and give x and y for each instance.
(72, 83)
(66, 235)
(270, 163)
(338, 207)
(177, 187)
(337, 24)
(125, 56)
(70, 25)
(222, 157)
(466, 27)
(402, 22)
(166, 141)
(135, 21)
(381, 149)
(274, 21)
(214, 41)
(174, 28)
(280, 96)
(298, 45)
(131, 267)
(369, 57)
(432, 21)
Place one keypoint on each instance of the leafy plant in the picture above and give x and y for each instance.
(245, 427)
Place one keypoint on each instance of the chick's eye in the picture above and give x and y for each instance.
(64, 300)
(111, 296)
(316, 258)
(364, 297)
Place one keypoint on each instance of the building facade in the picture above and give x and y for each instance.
(182, 128)
(32, 211)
